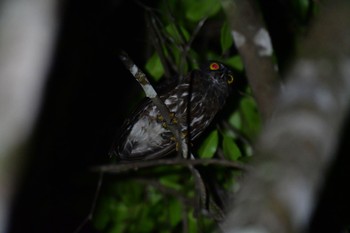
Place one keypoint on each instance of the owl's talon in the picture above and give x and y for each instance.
(173, 119)
(177, 146)
(160, 118)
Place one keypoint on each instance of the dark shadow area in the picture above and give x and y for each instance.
(86, 94)
(332, 212)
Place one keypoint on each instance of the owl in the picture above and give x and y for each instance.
(193, 104)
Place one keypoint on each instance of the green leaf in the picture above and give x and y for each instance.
(110, 212)
(175, 212)
(171, 181)
(248, 150)
(230, 148)
(134, 191)
(235, 120)
(226, 37)
(117, 228)
(153, 195)
(154, 67)
(209, 146)
(144, 220)
(197, 10)
(192, 223)
(120, 213)
(235, 62)
(250, 117)
(174, 32)
(102, 216)
(302, 7)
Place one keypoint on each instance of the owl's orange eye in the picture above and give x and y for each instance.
(214, 66)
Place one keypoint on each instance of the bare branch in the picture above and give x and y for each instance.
(124, 167)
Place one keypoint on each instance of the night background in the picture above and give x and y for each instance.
(86, 97)
(88, 94)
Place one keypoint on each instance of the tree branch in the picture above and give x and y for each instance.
(27, 33)
(254, 46)
(124, 167)
(294, 151)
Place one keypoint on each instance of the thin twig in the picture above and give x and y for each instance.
(185, 201)
(201, 190)
(158, 42)
(93, 206)
(124, 167)
(237, 132)
(166, 190)
(187, 46)
(185, 225)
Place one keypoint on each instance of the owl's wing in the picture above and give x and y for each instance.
(142, 136)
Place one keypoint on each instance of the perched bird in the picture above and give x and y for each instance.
(193, 104)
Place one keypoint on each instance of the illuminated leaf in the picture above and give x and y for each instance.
(154, 67)
(231, 149)
(251, 123)
(235, 62)
(226, 37)
(197, 10)
(209, 146)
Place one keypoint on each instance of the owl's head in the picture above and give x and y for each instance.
(218, 73)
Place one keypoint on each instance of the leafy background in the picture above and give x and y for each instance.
(151, 207)
(161, 199)
(89, 93)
